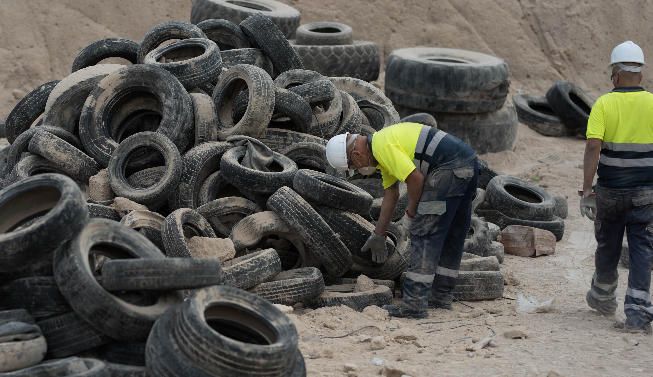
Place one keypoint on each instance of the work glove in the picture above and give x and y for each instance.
(588, 206)
(376, 243)
(407, 221)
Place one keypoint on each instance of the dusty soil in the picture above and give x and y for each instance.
(542, 41)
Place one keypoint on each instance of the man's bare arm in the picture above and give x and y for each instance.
(390, 198)
(415, 183)
(590, 163)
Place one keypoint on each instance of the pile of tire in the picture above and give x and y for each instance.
(564, 110)
(464, 90)
(509, 200)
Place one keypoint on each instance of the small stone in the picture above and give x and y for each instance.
(211, 248)
(377, 343)
(417, 344)
(349, 367)
(515, 334)
(123, 206)
(329, 325)
(364, 284)
(377, 361)
(285, 309)
(475, 340)
(18, 94)
(470, 355)
(376, 313)
(394, 325)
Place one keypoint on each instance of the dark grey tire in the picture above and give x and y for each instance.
(478, 239)
(378, 109)
(561, 207)
(282, 172)
(164, 32)
(284, 16)
(296, 77)
(99, 211)
(31, 165)
(160, 274)
(193, 61)
(250, 56)
(478, 285)
(252, 269)
(537, 114)
(279, 139)
(485, 174)
(15, 315)
(352, 115)
(67, 335)
(318, 236)
(309, 155)
(344, 294)
(263, 33)
(127, 92)
(292, 286)
(396, 263)
(28, 110)
(571, 104)
(181, 225)
(38, 295)
(72, 367)
(260, 108)
(324, 33)
(147, 223)
(66, 157)
(421, 118)
(104, 311)
(225, 33)
(293, 109)
(58, 203)
(105, 49)
(206, 122)
(360, 59)
(324, 189)
(446, 80)
(121, 158)
(555, 225)
(520, 199)
(224, 213)
(480, 264)
(120, 370)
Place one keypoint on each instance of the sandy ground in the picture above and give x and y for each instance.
(542, 40)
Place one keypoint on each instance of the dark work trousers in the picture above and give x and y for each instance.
(438, 233)
(629, 210)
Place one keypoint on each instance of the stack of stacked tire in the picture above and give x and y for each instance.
(564, 110)
(509, 200)
(464, 90)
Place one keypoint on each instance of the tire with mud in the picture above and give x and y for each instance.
(72, 366)
(22, 346)
(224, 213)
(292, 286)
(252, 269)
(571, 104)
(478, 285)
(537, 114)
(345, 294)
(263, 33)
(226, 34)
(397, 261)
(282, 172)
(39, 295)
(28, 110)
(67, 335)
(359, 59)
(520, 199)
(66, 157)
(167, 31)
(478, 239)
(180, 226)
(323, 189)
(555, 225)
(147, 223)
(105, 49)
(561, 207)
(279, 139)
(378, 109)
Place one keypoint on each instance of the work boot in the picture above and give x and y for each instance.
(625, 326)
(605, 307)
(442, 301)
(403, 311)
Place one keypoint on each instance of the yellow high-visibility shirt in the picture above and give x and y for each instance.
(393, 148)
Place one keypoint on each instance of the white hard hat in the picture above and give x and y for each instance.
(336, 152)
(627, 52)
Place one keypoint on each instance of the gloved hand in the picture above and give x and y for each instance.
(376, 243)
(407, 220)
(588, 206)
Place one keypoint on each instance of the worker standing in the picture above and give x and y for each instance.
(620, 145)
(441, 174)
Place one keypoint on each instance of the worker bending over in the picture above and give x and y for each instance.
(441, 174)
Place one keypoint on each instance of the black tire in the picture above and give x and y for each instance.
(72, 366)
(292, 286)
(537, 114)
(226, 34)
(374, 187)
(263, 33)
(104, 311)
(478, 239)
(485, 174)
(120, 370)
(147, 223)
(250, 56)
(520, 199)
(556, 225)
(344, 294)
(146, 177)
(38, 295)
(282, 172)
(105, 49)
(164, 32)
(279, 139)
(324, 33)
(309, 155)
(99, 211)
(197, 164)
(57, 200)
(360, 59)
(294, 108)
(324, 189)
(352, 115)
(160, 274)
(421, 118)
(124, 354)
(327, 106)
(378, 108)
(397, 261)
(31, 165)
(206, 122)
(224, 213)
(15, 315)
(121, 158)
(296, 77)
(252, 269)
(28, 110)
(67, 335)
(284, 16)
(260, 106)
(478, 285)
(446, 80)
(571, 104)
(561, 208)
(316, 92)
(121, 94)
(318, 236)
(75, 163)
(193, 61)
(180, 226)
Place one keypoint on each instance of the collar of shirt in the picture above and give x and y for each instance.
(625, 89)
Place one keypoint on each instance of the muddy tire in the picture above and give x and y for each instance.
(344, 294)
(38, 295)
(62, 210)
(260, 107)
(105, 49)
(478, 240)
(164, 32)
(22, 347)
(104, 311)
(292, 286)
(352, 115)
(99, 211)
(324, 189)
(121, 95)
(359, 59)
(181, 225)
(66, 157)
(206, 122)
(555, 225)
(282, 172)
(520, 199)
(307, 155)
(561, 208)
(284, 16)
(147, 223)
(571, 104)
(264, 34)
(120, 370)
(326, 104)
(480, 264)
(67, 335)
(478, 285)
(324, 33)
(318, 236)
(290, 106)
(397, 261)
(28, 110)
(421, 118)
(279, 139)
(446, 80)
(224, 213)
(226, 34)
(16, 315)
(250, 56)
(537, 114)
(31, 165)
(72, 366)
(378, 109)
(252, 269)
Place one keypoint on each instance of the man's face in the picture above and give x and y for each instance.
(358, 157)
